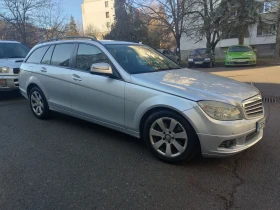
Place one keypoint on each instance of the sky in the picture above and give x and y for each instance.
(73, 7)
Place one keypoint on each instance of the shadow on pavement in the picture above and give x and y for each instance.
(13, 95)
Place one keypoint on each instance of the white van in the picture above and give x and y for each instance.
(12, 54)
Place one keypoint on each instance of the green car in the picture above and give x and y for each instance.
(240, 55)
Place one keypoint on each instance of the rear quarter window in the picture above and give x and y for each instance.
(37, 55)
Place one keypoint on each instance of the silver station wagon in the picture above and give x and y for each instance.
(134, 89)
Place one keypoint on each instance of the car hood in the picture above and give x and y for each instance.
(11, 62)
(196, 85)
(241, 54)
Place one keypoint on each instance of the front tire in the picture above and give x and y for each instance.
(38, 103)
(170, 137)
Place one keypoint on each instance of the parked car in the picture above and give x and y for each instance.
(134, 89)
(200, 57)
(240, 55)
(170, 55)
(12, 55)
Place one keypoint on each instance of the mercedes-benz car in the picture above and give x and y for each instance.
(134, 89)
(12, 54)
(240, 55)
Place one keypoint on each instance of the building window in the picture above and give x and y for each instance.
(106, 3)
(267, 6)
(108, 24)
(107, 14)
(266, 29)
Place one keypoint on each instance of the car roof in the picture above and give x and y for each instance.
(103, 42)
(8, 41)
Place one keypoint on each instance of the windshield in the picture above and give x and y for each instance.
(240, 49)
(201, 51)
(13, 50)
(136, 59)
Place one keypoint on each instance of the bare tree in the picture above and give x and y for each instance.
(92, 31)
(241, 14)
(51, 20)
(172, 15)
(206, 21)
(32, 18)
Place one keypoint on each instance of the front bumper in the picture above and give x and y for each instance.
(213, 133)
(9, 83)
(245, 62)
(194, 63)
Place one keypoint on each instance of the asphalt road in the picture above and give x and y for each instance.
(67, 163)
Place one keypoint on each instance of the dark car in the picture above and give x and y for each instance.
(201, 57)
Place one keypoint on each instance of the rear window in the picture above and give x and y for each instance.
(62, 54)
(13, 50)
(37, 55)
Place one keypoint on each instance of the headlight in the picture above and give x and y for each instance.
(220, 111)
(190, 59)
(207, 59)
(4, 69)
(229, 57)
(253, 57)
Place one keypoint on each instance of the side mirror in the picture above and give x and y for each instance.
(101, 68)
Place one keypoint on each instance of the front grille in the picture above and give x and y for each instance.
(198, 59)
(250, 136)
(253, 107)
(16, 70)
(241, 58)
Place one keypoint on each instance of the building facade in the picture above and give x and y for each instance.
(99, 15)
(262, 38)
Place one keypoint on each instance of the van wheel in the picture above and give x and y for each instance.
(38, 103)
(170, 137)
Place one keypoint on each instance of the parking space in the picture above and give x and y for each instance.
(67, 163)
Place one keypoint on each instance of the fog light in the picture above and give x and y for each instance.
(228, 143)
(3, 83)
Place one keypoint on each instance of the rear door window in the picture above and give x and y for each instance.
(47, 57)
(37, 55)
(62, 54)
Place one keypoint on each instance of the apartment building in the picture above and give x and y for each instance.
(261, 37)
(99, 14)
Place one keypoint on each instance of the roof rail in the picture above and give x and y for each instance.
(69, 37)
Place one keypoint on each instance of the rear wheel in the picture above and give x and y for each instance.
(38, 103)
(170, 137)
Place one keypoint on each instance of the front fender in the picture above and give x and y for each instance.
(140, 100)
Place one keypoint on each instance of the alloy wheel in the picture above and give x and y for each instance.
(168, 137)
(37, 103)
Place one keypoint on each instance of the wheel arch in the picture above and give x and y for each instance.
(161, 108)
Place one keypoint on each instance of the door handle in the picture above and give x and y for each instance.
(75, 77)
(43, 69)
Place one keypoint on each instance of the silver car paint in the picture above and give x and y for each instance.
(196, 85)
(121, 104)
(10, 77)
